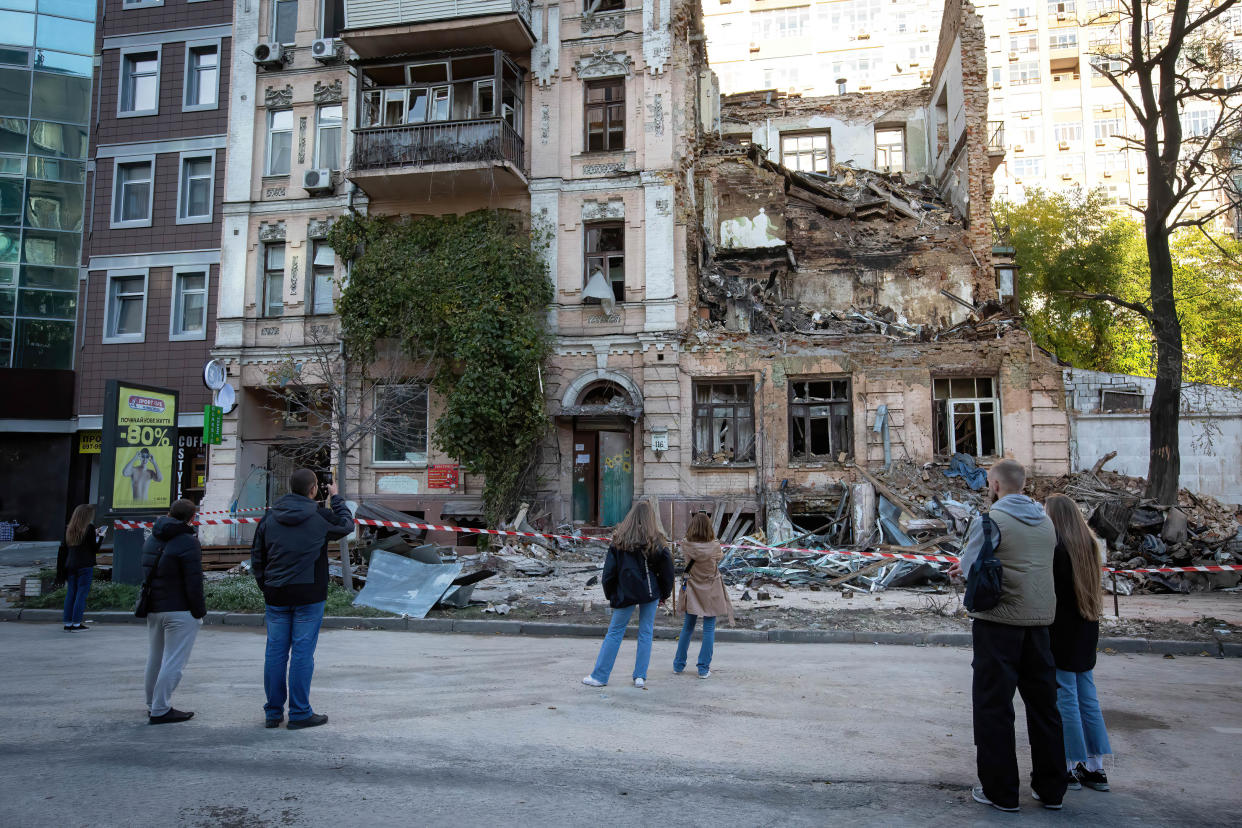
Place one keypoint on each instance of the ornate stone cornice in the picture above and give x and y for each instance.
(603, 63)
(273, 97)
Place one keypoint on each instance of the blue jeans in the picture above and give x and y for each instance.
(296, 630)
(1081, 718)
(705, 650)
(616, 631)
(77, 587)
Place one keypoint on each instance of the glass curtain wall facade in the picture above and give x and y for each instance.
(46, 69)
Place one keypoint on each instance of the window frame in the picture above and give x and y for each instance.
(312, 305)
(696, 416)
(192, 155)
(267, 160)
(190, 46)
(265, 304)
(340, 134)
(375, 438)
(271, 32)
(888, 148)
(605, 255)
(589, 106)
(178, 272)
(805, 458)
(117, 163)
(158, 50)
(948, 416)
(109, 306)
(793, 135)
(126, 5)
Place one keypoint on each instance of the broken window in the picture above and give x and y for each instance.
(724, 422)
(805, 151)
(605, 115)
(820, 415)
(967, 416)
(401, 424)
(605, 258)
(1121, 400)
(890, 149)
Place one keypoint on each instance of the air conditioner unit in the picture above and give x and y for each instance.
(326, 49)
(317, 181)
(270, 55)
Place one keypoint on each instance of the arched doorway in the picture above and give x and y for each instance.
(604, 408)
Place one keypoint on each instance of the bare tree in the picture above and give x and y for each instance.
(1176, 68)
(342, 406)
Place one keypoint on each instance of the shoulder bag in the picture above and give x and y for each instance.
(143, 607)
(986, 579)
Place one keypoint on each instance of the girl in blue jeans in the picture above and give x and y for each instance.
(75, 564)
(638, 572)
(702, 593)
(1074, 635)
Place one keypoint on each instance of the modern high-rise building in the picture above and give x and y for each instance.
(46, 108)
(1059, 122)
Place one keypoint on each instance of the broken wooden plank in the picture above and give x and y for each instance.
(733, 521)
(717, 516)
(834, 208)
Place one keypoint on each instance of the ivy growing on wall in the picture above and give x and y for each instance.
(466, 295)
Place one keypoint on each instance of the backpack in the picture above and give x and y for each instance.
(985, 581)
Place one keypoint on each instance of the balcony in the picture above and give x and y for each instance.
(378, 28)
(481, 156)
(996, 144)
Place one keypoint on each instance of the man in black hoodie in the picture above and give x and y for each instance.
(289, 558)
(173, 561)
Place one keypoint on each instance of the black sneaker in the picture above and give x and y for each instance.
(270, 723)
(171, 717)
(1071, 782)
(80, 628)
(1095, 780)
(313, 720)
(70, 628)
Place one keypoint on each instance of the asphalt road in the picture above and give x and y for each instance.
(472, 730)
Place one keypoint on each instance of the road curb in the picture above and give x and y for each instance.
(481, 626)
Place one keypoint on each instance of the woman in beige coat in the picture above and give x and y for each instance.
(702, 593)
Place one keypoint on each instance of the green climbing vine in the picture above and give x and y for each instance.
(467, 295)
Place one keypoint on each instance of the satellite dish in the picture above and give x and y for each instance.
(226, 398)
(214, 374)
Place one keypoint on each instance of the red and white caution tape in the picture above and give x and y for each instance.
(435, 527)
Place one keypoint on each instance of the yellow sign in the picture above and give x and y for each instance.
(90, 442)
(143, 467)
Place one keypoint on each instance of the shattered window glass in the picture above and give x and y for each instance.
(605, 258)
(401, 424)
(967, 416)
(820, 420)
(724, 422)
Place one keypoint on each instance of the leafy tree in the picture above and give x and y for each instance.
(1167, 59)
(465, 295)
(1069, 245)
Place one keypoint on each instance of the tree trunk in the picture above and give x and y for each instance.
(1165, 463)
(342, 476)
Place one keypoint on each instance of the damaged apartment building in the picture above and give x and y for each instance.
(851, 310)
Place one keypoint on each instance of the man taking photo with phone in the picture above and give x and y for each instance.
(289, 558)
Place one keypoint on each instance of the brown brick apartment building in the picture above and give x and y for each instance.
(155, 184)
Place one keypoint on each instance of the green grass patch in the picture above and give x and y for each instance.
(235, 594)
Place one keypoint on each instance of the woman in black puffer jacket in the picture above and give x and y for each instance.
(638, 572)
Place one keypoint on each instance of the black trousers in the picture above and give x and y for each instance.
(1009, 658)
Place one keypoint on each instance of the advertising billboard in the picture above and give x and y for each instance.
(138, 462)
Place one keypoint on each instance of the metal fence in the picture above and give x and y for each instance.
(453, 142)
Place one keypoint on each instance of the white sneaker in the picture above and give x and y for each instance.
(705, 675)
(590, 682)
(640, 683)
(978, 795)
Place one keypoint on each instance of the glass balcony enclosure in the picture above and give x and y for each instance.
(465, 110)
(379, 28)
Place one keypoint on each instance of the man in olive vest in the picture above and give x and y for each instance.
(1012, 648)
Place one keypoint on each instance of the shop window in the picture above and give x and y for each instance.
(724, 422)
(820, 420)
(967, 416)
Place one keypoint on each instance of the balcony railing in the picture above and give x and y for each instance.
(996, 137)
(452, 142)
(361, 14)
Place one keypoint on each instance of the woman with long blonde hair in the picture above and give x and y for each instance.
(638, 572)
(75, 564)
(702, 593)
(1075, 634)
